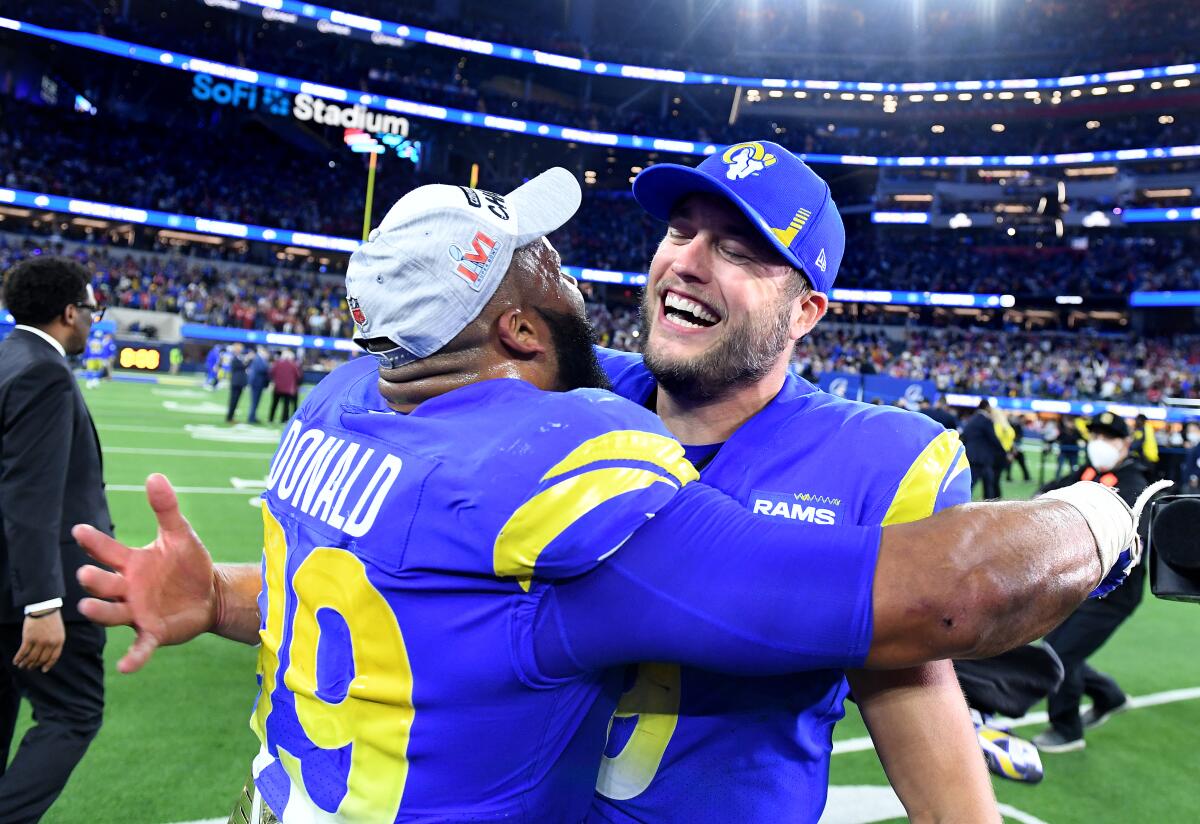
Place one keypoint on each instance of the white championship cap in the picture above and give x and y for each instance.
(439, 255)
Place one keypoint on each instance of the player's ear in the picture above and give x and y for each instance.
(806, 312)
(521, 334)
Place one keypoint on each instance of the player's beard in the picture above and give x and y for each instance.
(573, 339)
(743, 355)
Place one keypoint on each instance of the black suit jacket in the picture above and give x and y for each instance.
(982, 444)
(51, 478)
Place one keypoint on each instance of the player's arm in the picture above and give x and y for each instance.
(708, 584)
(918, 718)
(922, 731)
(169, 590)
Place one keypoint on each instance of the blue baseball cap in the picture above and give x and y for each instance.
(789, 203)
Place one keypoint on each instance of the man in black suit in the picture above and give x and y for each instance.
(238, 367)
(985, 453)
(51, 478)
(939, 412)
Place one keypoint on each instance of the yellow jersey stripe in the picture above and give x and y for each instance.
(275, 557)
(654, 701)
(918, 490)
(546, 515)
(629, 445)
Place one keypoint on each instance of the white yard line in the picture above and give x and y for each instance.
(182, 490)
(1154, 699)
(126, 427)
(184, 453)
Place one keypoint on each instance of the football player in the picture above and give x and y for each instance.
(463, 543)
(741, 275)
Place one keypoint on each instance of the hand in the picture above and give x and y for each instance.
(165, 590)
(42, 640)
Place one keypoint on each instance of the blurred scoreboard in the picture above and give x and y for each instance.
(144, 356)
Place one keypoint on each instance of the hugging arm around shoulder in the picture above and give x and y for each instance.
(708, 584)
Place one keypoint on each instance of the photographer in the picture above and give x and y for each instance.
(1090, 626)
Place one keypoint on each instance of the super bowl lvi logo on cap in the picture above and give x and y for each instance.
(474, 262)
(746, 159)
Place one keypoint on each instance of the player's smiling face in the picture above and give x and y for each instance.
(721, 302)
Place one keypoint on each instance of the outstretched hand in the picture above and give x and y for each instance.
(165, 590)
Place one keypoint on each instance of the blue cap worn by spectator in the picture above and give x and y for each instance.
(776, 190)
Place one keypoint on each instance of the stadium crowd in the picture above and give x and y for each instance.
(994, 362)
(611, 231)
(1011, 363)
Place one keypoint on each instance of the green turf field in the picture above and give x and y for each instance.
(176, 747)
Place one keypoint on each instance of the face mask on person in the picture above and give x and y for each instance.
(1102, 455)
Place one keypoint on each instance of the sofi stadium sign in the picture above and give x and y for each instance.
(305, 107)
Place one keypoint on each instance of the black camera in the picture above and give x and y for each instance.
(1173, 547)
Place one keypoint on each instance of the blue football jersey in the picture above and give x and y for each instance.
(95, 348)
(404, 558)
(694, 746)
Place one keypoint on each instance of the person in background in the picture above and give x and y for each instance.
(212, 367)
(286, 377)
(176, 358)
(939, 412)
(237, 363)
(1191, 463)
(51, 477)
(1068, 445)
(1016, 454)
(1145, 445)
(1109, 462)
(108, 353)
(984, 450)
(259, 375)
(1007, 436)
(93, 360)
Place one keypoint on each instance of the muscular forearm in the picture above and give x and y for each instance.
(926, 742)
(977, 579)
(236, 615)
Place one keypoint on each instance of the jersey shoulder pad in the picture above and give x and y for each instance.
(602, 467)
(916, 465)
(627, 373)
(351, 383)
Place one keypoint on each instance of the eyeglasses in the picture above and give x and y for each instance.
(97, 311)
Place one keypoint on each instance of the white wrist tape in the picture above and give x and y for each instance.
(1112, 521)
(1109, 518)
